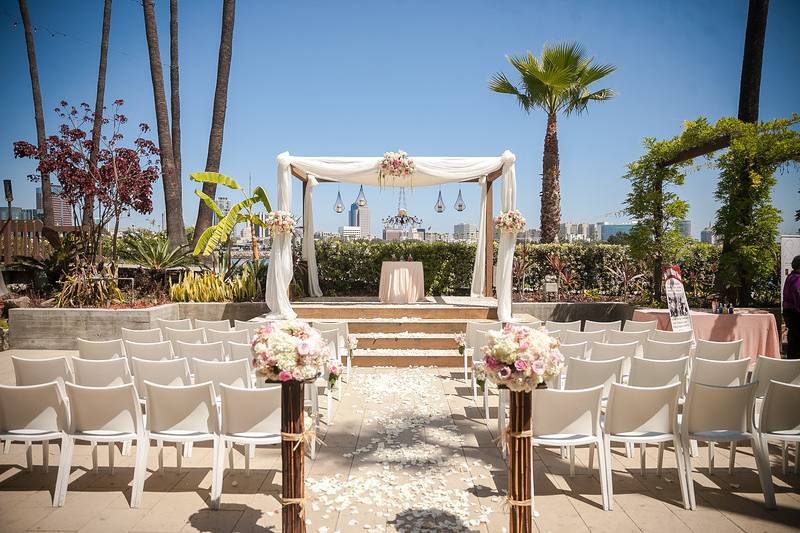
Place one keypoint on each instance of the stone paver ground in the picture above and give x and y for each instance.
(408, 450)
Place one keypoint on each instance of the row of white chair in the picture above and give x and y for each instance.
(120, 347)
(638, 415)
(175, 414)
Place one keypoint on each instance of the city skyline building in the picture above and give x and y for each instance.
(465, 232)
(62, 210)
(359, 214)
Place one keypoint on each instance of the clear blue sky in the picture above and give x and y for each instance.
(361, 78)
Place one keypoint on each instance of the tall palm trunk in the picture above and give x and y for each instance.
(218, 114)
(551, 189)
(47, 192)
(172, 182)
(174, 86)
(749, 95)
(97, 125)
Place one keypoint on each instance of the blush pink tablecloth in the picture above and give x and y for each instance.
(402, 282)
(759, 330)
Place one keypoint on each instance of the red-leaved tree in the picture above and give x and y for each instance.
(122, 179)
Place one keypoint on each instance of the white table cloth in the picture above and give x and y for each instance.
(402, 282)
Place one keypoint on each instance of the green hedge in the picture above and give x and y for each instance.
(597, 269)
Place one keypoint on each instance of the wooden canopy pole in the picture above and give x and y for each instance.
(489, 271)
(520, 516)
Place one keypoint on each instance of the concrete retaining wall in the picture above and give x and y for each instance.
(566, 311)
(58, 329)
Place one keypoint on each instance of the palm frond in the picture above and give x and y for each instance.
(215, 177)
(209, 202)
(261, 194)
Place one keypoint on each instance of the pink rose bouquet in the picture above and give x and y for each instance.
(510, 221)
(520, 358)
(289, 350)
(461, 341)
(280, 222)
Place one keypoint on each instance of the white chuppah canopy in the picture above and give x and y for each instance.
(364, 170)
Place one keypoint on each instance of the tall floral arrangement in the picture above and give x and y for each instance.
(280, 222)
(396, 165)
(510, 221)
(520, 358)
(290, 350)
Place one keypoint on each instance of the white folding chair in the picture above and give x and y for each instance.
(533, 324)
(719, 373)
(590, 337)
(163, 324)
(100, 349)
(341, 344)
(34, 413)
(471, 338)
(238, 350)
(624, 337)
(246, 325)
(571, 418)
(637, 415)
(574, 325)
(589, 374)
(142, 335)
(171, 372)
(718, 351)
(227, 336)
(250, 417)
(658, 373)
(666, 350)
(40, 371)
(232, 373)
(613, 325)
(191, 336)
(780, 422)
(213, 351)
(603, 351)
(718, 415)
(152, 351)
(771, 368)
(577, 350)
(183, 415)
(109, 415)
(331, 337)
(671, 336)
(639, 325)
(216, 325)
(102, 373)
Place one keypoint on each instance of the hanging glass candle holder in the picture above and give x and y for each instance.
(339, 206)
(439, 203)
(460, 205)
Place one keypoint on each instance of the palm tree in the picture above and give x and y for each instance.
(47, 192)
(174, 86)
(558, 82)
(214, 156)
(88, 206)
(172, 182)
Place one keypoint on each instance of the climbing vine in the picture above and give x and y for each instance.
(746, 221)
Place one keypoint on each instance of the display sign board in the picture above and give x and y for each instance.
(677, 303)
(790, 248)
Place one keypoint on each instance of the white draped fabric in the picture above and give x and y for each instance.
(364, 170)
(309, 252)
(479, 267)
(505, 251)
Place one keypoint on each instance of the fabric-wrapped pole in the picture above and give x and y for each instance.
(309, 251)
(280, 271)
(508, 241)
(479, 268)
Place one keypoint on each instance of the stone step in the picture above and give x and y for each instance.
(403, 358)
(389, 325)
(413, 341)
(422, 311)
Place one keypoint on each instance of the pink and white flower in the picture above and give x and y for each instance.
(289, 350)
(510, 221)
(520, 358)
(280, 222)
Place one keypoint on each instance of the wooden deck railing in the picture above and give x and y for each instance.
(24, 237)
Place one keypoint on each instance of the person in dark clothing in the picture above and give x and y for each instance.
(791, 309)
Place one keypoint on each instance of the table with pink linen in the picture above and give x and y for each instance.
(759, 330)
(402, 282)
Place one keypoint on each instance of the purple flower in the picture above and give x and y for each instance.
(504, 373)
(490, 361)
